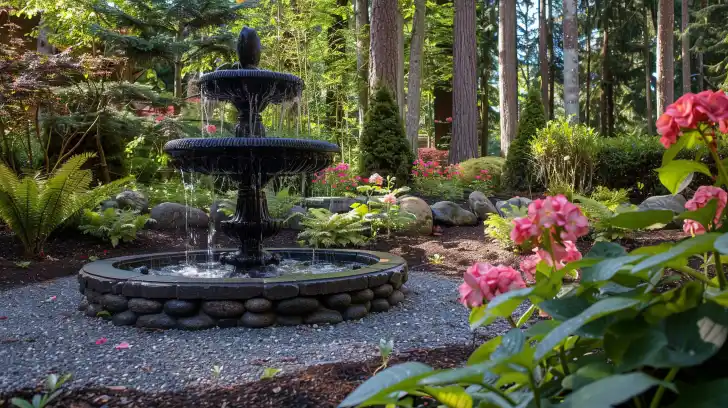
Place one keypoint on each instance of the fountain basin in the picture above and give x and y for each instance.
(251, 86)
(115, 289)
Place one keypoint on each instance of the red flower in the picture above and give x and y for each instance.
(210, 129)
(448, 120)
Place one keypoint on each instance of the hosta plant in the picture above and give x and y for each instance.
(35, 205)
(643, 328)
(113, 225)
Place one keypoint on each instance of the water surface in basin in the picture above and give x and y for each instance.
(285, 267)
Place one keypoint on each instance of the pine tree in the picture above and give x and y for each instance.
(464, 143)
(518, 171)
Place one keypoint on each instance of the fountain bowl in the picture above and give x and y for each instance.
(116, 289)
(257, 86)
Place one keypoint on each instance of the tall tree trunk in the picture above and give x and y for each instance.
(362, 55)
(543, 61)
(588, 65)
(606, 76)
(552, 63)
(685, 11)
(571, 61)
(464, 144)
(383, 54)
(400, 63)
(415, 74)
(485, 109)
(665, 55)
(507, 76)
(700, 66)
(648, 70)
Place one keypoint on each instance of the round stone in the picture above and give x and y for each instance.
(297, 306)
(396, 279)
(114, 303)
(257, 320)
(93, 296)
(156, 321)
(93, 310)
(395, 298)
(200, 321)
(180, 308)
(83, 305)
(338, 301)
(383, 291)
(380, 305)
(362, 296)
(322, 316)
(355, 312)
(368, 305)
(145, 306)
(289, 320)
(126, 318)
(227, 323)
(223, 308)
(258, 305)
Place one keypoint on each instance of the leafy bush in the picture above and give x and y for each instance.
(382, 212)
(173, 191)
(336, 180)
(281, 202)
(471, 169)
(518, 174)
(428, 154)
(610, 198)
(324, 229)
(383, 146)
(429, 179)
(499, 228)
(566, 154)
(113, 225)
(34, 207)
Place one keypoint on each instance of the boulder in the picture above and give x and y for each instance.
(395, 298)
(323, 316)
(383, 291)
(179, 308)
(222, 309)
(257, 320)
(145, 306)
(93, 310)
(506, 205)
(422, 225)
(258, 305)
(450, 214)
(200, 321)
(338, 301)
(294, 218)
(333, 204)
(676, 203)
(480, 205)
(114, 303)
(174, 216)
(297, 306)
(105, 205)
(156, 321)
(362, 296)
(133, 200)
(217, 214)
(380, 305)
(355, 312)
(289, 320)
(127, 318)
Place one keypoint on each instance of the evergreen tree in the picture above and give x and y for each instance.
(518, 172)
(384, 149)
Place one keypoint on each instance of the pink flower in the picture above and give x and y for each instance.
(693, 228)
(715, 106)
(122, 346)
(528, 265)
(477, 177)
(485, 281)
(159, 118)
(704, 195)
(101, 341)
(210, 129)
(668, 128)
(376, 179)
(563, 254)
(448, 120)
(389, 199)
(524, 230)
(683, 111)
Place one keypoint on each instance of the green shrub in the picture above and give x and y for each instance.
(499, 228)
(281, 202)
(518, 174)
(442, 189)
(566, 154)
(113, 225)
(470, 169)
(324, 229)
(34, 207)
(383, 146)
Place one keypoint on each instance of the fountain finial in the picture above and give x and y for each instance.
(248, 48)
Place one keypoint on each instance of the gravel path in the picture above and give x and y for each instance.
(41, 335)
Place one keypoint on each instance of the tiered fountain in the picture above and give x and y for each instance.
(250, 286)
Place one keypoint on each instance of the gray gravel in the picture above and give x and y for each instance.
(41, 336)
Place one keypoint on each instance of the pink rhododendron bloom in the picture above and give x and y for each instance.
(693, 228)
(715, 107)
(210, 129)
(552, 214)
(470, 294)
(524, 230)
(376, 179)
(669, 130)
(683, 111)
(389, 199)
(485, 281)
(528, 265)
(101, 341)
(704, 195)
(563, 253)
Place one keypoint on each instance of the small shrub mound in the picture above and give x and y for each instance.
(471, 169)
(384, 148)
(518, 174)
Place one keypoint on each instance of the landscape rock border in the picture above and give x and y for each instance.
(115, 290)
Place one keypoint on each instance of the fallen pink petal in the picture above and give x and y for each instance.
(122, 346)
(3, 318)
(101, 341)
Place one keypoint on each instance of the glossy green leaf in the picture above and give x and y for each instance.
(674, 301)
(502, 305)
(452, 396)
(601, 308)
(541, 328)
(603, 249)
(588, 374)
(512, 344)
(707, 395)
(704, 215)
(607, 268)
(564, 308)
(691, 246)
(635, 220)
(398, 378)
(484, 351)
(472, 374)
(673, 150)
(674, 174)
(721, 244)
(611, 391)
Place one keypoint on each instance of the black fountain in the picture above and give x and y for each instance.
(249, 286)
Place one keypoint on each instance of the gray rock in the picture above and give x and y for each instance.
(323, 316)
(106, 204)
(380, 305)
(145, 306)
(258, 305)
(422, 225)
(355, 312)
(289, 320)
(217, 214)
(297, 306)
(174, 216)
(223, 309)
(383, 291)
(114, 303)
(133, 200)
(258, 320)
(333, 204)
(675, 203)
(93, 296)
(480, 205)
(506, 206)
(397, 279)
(227, 323)
(156, 321)
(450, 214)
(93, 310)
(200, 321)
(127, 318)
(83, 305)
(180, 308)
(395, 298)
(338, 301)
(294, 222)
(362, 296)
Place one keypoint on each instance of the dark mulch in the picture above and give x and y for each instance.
(315, 387)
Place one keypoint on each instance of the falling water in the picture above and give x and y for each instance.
(187, 203)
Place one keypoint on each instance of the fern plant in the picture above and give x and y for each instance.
(599, 213)
(322, 228)
(33, 206)
(113, 225)
(499, 228)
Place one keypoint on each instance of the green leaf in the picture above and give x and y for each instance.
(541, 328)
(452, 396)
(721, 244)
(483, 352)
(674, 174)
(605, 249)
(704, 216)
(564, 308)
(635, 220)
(21, 403)
(502, 305)
(670, 153)
(398, 378)
(607, 268)
(612, 391)
(691, 246)
(472, 374)
(601, 308)
(512, 344)
(674, 301)
(707, 395)
(588, 374)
